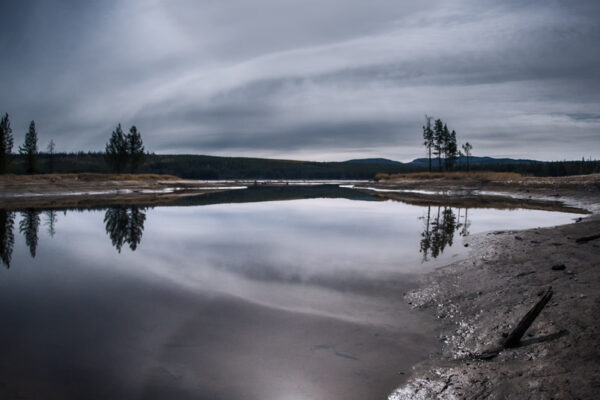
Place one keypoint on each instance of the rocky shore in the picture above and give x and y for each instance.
(480, 299)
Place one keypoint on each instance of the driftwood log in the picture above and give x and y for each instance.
(586, 239)
(514, 337)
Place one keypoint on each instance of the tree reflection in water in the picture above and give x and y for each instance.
(7, 236)
(28, 227)
(439, 230)
(125, 225)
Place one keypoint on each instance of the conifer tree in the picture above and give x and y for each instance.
(135, 149)
(50, 149)
(116, 152)
(30, 149)
(6, 144)
(467, 148)
(438, 141)
(428, 137)
(451, 150)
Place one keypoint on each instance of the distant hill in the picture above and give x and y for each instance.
(373, 161)
(212, 167)
(480, 161)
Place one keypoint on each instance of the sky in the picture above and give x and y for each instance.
(311, 79)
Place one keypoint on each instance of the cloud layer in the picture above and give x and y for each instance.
(282, 78)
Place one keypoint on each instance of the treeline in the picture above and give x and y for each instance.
(123, 152)
(441, 143)
(212, 167)
(541, 168)
(29, 149)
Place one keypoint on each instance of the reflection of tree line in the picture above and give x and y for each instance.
(124, 225)
(439, 230)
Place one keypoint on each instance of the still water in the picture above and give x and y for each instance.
(222, 297)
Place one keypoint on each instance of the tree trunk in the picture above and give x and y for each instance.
(515, 336)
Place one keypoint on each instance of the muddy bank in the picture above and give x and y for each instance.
(574, 190)
(88, 190)
(480, 299)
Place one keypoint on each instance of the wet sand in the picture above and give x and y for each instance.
(89, 190)
(479, 300)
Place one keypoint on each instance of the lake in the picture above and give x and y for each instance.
(270, 294)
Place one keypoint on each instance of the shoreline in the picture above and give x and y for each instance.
(479, 299)
(89, 190)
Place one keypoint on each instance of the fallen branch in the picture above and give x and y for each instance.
(513, 339)
(586, 239)
(515, 336)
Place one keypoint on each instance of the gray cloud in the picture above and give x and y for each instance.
(308, 79)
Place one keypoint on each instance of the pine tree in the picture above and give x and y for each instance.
(467, 148)
(451, 150)
(116, 152)
(30, 149)
(6, 144)
(438, 141)
(428, 137)
(135, 149)
(445, 145)
(50, 149)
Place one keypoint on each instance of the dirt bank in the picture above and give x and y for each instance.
(582, 187)
(87, 190)
(480, 299)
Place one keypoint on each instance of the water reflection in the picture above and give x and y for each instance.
(7, 236)
(439, 230)
(28, 227)
(287, 299)
(125, 225)
(51, 222)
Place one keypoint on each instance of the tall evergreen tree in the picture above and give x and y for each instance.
(116, 152)
(451, 150)
(428, 137)
(6, 144)
(467, 148)
(30, 149)
(135, 149)
(50, 149)
(438, 141)
(445, 144)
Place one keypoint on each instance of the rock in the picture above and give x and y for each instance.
(558, 267)
(518, 238)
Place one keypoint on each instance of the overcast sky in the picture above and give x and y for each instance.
(305, 79)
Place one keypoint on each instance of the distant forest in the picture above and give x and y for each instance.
(125, 152)
(212, 167)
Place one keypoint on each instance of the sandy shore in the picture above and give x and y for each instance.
(481, 298)
(88, 190)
